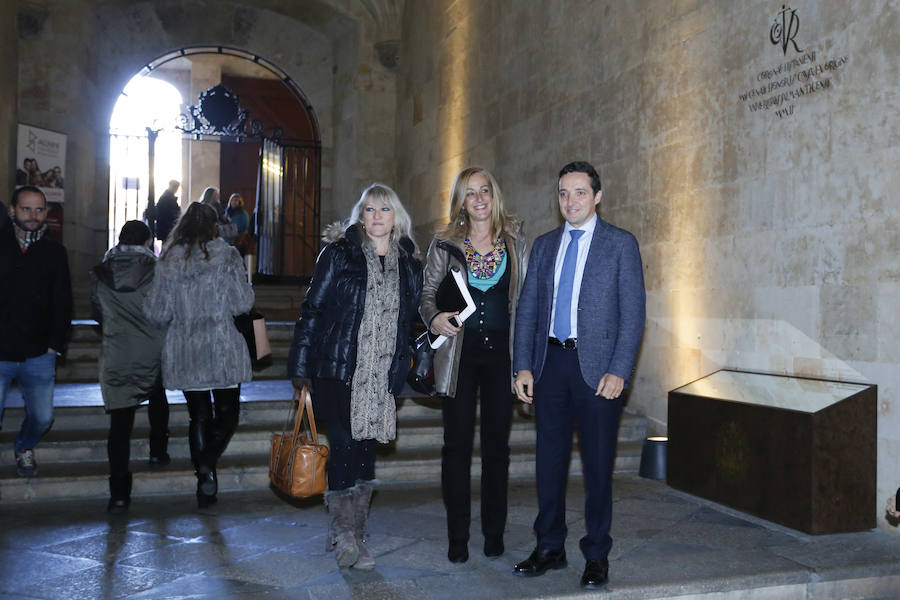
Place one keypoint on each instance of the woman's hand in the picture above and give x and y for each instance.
(892, 506)
(299, 382)
(441, 324)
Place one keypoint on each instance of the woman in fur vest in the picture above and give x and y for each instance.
(200, 286)
(351, 345)
(488, 246)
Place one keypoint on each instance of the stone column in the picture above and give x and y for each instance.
(203, 168)
(9, 75)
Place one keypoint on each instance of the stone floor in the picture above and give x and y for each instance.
(258, 545)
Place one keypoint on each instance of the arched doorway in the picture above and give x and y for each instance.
(145, 103)
(280, 180)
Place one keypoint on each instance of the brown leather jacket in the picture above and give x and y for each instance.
(437, 263)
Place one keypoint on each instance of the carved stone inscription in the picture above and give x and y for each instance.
(783, 85)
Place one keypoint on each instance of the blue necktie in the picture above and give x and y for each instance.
(562, 324)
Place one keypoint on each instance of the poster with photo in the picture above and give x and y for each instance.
(41, 161)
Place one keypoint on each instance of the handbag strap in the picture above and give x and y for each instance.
(306, 403)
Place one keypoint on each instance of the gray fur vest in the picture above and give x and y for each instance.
(198, 299)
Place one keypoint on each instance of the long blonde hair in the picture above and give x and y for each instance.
(384, 194)
(458, 227)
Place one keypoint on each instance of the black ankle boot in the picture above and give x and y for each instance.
(458, 552)
(204, 501)
(207, 483)
(493, 546)
(119, 494)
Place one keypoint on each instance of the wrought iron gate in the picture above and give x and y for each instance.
(127, 191)
(287, 212)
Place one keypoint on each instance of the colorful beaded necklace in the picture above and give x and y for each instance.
(484, 267)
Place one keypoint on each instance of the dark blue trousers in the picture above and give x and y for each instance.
(562, 399)
(349, 461)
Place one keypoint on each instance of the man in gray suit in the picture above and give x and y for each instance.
(579, 324)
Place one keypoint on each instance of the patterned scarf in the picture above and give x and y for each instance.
(373, 410)
(27, 238)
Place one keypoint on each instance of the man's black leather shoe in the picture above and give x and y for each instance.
(596, 574)
(540, 561)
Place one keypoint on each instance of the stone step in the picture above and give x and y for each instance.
(412, 435)
(87, 371)
(281, 302)
(81, 360)
(258, 412)
(88, 332)
(268, 412)
(241, 473)
(89, 352)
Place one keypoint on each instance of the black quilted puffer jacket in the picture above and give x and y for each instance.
(324, 343)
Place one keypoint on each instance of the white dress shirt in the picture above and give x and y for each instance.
(584, 246)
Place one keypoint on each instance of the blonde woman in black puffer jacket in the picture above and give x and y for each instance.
(351, 344)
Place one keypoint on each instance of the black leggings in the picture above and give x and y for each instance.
(349, 460)
(121, 423)
(211, 427)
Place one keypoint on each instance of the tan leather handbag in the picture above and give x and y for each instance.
(297, 463)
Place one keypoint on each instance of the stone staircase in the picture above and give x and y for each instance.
(72, 456)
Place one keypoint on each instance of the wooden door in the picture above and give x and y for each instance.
(287, 226)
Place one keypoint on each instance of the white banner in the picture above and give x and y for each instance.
(41, 161)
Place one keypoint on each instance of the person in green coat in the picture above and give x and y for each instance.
(130, 355)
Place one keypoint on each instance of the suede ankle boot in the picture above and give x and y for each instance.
(343, 540)
(362, 498)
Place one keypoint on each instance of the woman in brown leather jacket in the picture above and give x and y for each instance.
(486, 244)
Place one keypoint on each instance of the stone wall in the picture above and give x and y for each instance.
(68, 85)
(767, 231)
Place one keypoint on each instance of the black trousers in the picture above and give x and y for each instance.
(211, 426)
(121, 423)
(483, 368)
(349, 460)
(561, 399)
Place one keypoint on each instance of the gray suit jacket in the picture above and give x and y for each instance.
(611, 305)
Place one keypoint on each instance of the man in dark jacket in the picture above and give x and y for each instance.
(4, 216)
(167, 211)
(35, 316)
(130, 356)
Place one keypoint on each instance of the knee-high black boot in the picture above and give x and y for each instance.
(200, 439)
(223, 427)
(204, 464)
